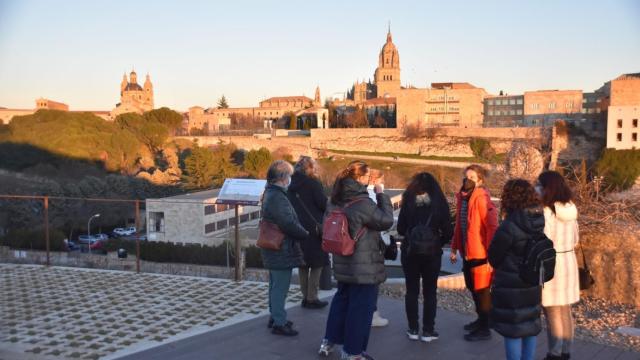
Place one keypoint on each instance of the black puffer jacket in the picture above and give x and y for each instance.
(366, 265)
(277, 209)
(307, 190)
(516, 304)
(414, 213)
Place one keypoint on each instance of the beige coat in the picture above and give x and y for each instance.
(562, 229)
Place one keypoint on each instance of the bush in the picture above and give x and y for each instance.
(33, 240)
(481, 148)
(164, 252)
(257, 162)
(620, 168)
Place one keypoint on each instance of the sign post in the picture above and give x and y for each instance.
(238, 192)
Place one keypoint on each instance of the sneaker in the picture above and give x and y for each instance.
(472, 326)
(478, 335)
(413, 334)
(326, 348)
(428, 336)
(363, 356)
(285, 330)
(315, 304)
(270, 323)
(378, 321)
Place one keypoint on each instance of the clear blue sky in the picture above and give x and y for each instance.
(195, 51)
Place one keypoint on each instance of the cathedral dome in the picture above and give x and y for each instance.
(133, 86)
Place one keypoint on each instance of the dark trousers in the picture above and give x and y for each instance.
(481, 298)
(427, 268)
(349, 321)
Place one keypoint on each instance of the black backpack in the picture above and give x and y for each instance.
(539, 263)
(422, 240)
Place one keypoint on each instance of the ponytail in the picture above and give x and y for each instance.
(354, 170)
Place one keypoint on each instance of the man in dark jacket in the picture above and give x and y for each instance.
(307, 196)
(276, 209)
(358, 275)
(516, 305)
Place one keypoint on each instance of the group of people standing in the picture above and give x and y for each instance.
(490, 243)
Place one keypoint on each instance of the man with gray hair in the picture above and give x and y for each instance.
(277, 210)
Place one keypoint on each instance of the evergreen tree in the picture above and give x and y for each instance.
(256, 162)
(222, 103)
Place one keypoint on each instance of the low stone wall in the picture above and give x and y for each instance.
(112, 262)
(613, 256)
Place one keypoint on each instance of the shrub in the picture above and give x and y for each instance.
(620, 168)
(33, 240)
(481, 148)
(257, 162)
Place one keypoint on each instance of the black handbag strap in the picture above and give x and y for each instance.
(306, 209)
(584, 259)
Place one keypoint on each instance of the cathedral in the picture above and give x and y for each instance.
(133, 97)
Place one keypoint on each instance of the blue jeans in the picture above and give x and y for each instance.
(279, 281)
(520, 348)
(349, 321)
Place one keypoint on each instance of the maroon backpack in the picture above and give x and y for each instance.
(335, 232)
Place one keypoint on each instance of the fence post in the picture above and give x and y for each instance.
(137, 237)
(238, 248)
(46, 227)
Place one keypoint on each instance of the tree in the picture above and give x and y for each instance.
(147, 129)
(165, 116)
(293, 121)
(256, 162)
(200, 168)
(222, 103)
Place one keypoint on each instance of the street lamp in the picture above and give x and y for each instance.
(89, 230)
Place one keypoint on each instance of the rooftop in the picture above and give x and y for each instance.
(199, 196)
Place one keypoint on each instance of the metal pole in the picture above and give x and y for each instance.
(137, 237)
(89, 234)
(46, 227)
(238, 248)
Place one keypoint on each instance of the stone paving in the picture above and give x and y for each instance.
(75, 313)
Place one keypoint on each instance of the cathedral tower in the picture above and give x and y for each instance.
(387, 75)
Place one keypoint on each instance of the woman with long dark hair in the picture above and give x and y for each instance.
(558, 294)
(424, 211)
(359, 274)
(476, 222)
(516, 304)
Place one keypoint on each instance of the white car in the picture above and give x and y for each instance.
(124, 231)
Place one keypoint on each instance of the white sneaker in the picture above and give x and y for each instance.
(326, 348)
(378, 321)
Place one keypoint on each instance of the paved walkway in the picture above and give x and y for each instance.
(252, 340)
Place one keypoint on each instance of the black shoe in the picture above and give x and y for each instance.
(478, 335)
(429, 336)
(315, 304)
(270, 323)
(553, 357)
(285, 330)
(565, 356)
(304, 303)
(472, 326)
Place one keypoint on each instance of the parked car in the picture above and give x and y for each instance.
(95, 243)
(124, 231)
(87, 239)
(102, 236)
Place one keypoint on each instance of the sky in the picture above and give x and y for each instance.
(195, 51)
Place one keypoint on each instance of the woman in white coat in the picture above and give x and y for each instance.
(563, 290)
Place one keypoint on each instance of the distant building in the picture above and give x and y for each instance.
(6, 115)
(504, 111)
(195, 218)
(133, 97)
(623, 113)
(43, 103)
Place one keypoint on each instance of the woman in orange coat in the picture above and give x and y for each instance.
(476, 222)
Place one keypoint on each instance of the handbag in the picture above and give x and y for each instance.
(391, 250)
(270, 236)
(306, 209)
(584, 274)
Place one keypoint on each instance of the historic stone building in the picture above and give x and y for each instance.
(387, 74)
(623, 112)
(133, 97)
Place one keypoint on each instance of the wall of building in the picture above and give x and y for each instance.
(625, 91)
(623, 127)
(543, 108)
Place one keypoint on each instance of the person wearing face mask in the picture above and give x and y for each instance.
(476, 223)
(359, 274)
(277, 209)
(424, 209)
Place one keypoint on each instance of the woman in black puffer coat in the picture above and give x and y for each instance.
(515, 313)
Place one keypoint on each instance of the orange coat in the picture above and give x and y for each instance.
(482, 223)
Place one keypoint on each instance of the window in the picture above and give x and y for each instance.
(221, 207)
(619, 136)
(634, 123)
(519, 101)
(209, 209)
(512, 101)
(569, 105)
(519, 112)
(490, 102)
(619, 123)
(535, 106)
(244, 218)
(209, 228)
(634, 136)
(552, 105)
(512, 112)
(584, 111)
(221, 224)
(255, 215)
(490, 112)
(584, 101)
